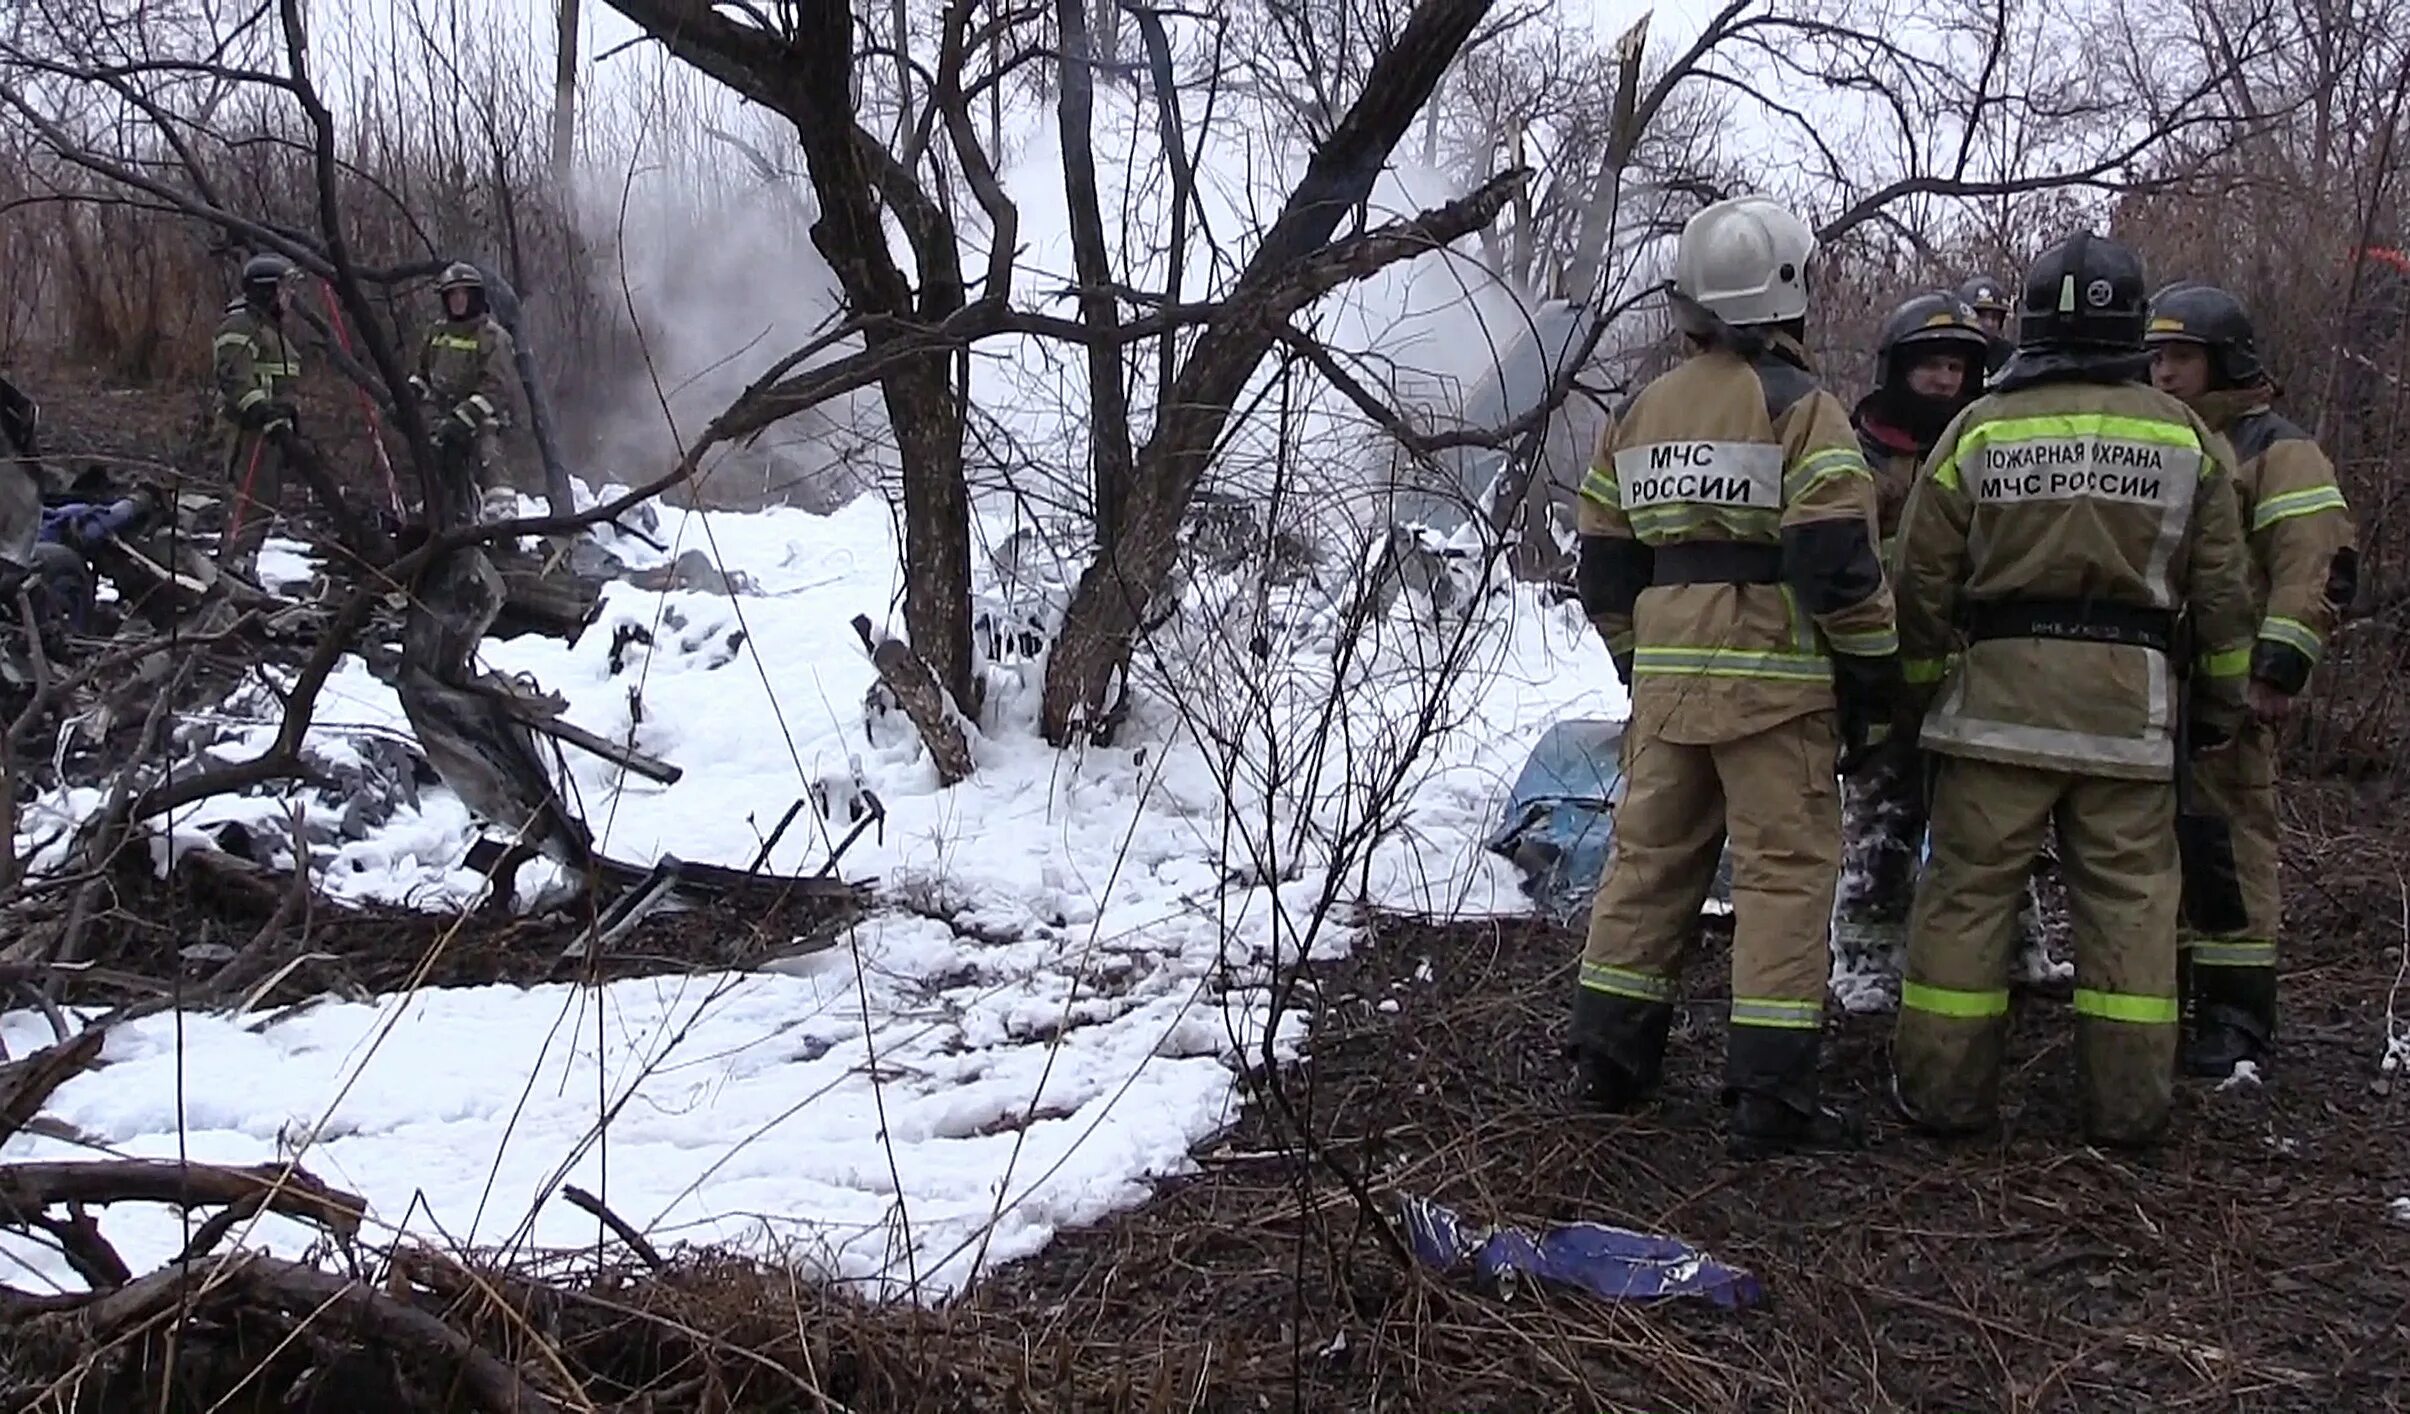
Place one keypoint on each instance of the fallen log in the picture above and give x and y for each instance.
(26, 1085)
(30, 1188)
(923, 699)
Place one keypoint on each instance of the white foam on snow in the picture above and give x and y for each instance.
(928, 1095)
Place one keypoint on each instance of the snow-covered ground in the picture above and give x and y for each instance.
(1053, 1014)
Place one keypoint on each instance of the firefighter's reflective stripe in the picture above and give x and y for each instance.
(2293, 634)
(251, 399)
(1949, 1001)
(1866, 645)
(483, 407)
(236, 339)
(2234, 952)
(462, 343)
(2231, 663)
(2305, 502)
(266, 371)
(1599, 485)
(1803, 628)
(1947, 727)
(1624, 982)
(2130, 1007)
(1659, 661)
(1655, 525)
(1924, 672)
(1784, 1015)
(1818, 468)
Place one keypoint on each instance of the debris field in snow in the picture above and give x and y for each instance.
(1067, 971)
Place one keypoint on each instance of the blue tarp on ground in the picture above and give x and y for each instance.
(1613, 1263)
(1559, 822)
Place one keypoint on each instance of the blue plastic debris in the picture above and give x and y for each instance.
(83, 523)
(1613, 1263)
(1559, 824)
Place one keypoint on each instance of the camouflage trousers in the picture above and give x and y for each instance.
(1885, 809)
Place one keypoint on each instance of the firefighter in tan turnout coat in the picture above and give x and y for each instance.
(1728, 556)
(465, 375)
(1928, 365)
(2067, 524)
(2304, 565)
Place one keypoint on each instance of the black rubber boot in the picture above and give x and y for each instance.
(2220, 1039)
(1619, 1049)
(1922, 1125)
(1763, 1127)
(1602, 1084)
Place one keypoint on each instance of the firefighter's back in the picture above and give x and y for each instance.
(2081, 499)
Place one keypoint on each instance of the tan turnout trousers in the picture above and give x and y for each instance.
(2117, 850)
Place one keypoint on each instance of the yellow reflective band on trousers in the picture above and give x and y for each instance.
(2063, 426)
(1817, 469)
(2293, 634)
(2232, 663)
(2233, 952)
(1782, 1015)
(1731, 663)
(1623, 982)
(2295, 503)
(1924, 671)
(1948, 1001)
(2126, 1006)
(1599, 485)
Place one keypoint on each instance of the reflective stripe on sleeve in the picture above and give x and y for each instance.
(2293, 634)
(2305, 502)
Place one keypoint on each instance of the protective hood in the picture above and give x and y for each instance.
(1917, 417)
(2030, 367)
(1877, 423)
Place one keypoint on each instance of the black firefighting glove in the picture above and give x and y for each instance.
(452, 431)
(1868, 691)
